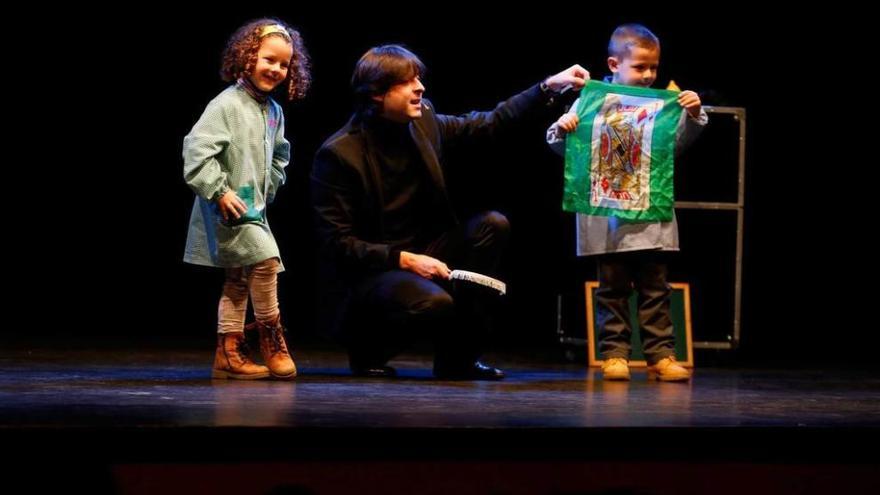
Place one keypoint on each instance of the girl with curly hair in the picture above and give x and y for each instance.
(234, 160)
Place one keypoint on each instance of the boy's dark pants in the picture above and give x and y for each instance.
(619, 274)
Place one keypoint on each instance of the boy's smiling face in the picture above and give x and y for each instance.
(637, 68)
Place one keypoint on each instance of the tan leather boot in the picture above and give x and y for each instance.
(274, 350)
(232, 361)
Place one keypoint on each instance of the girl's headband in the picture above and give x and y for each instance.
(274, 28)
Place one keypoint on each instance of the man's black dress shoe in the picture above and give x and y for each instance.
(474, 371)
(374, 371)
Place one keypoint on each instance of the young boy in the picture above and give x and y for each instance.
(632, 253)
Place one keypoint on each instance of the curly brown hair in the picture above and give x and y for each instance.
(240, 56)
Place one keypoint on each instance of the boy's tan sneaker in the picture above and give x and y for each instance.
(667, 370)
(615, 369)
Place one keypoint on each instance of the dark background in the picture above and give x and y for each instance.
(113, 209)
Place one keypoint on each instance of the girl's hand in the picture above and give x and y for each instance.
(231, 206)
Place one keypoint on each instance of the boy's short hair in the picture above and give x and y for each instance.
(378, 70)
(628, 35)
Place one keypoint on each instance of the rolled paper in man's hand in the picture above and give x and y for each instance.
(479, 279)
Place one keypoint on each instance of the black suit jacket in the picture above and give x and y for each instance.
(346, 187)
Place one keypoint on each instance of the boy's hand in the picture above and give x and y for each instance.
(690, 101)
(574, 77)
(424, 266)
(230, 206)
(567, 123)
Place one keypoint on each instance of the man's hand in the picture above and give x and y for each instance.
(231, 206)
(424, 266)
(575, 77)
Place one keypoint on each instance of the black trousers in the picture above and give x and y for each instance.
(392, 309)
(619, 275)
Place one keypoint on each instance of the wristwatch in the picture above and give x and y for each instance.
(549, 92)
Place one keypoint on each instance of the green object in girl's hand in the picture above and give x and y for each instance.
(246, 193)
